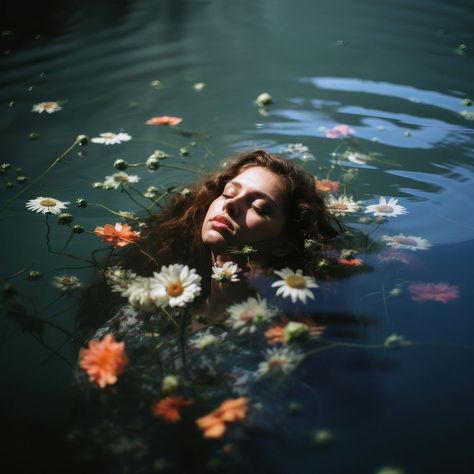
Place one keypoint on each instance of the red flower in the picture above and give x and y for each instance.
(103, 360)
(118, 235)
(164, 120)
(440, 292)
(327, 185)
(168, 408)
(350, 262)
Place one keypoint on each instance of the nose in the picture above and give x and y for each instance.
(231, 206)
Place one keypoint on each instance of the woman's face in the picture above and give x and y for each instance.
(250, 209)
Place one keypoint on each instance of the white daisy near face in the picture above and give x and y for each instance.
(46, 205)
(118, 278)
(66, 282)
(48, 107)
(386, 208)
(246, 316)
(139, 295)
(279, 360)
(342, 205)
(120, 179)
(228, 272)
(110, 138)
(294, 284)
(407, 242)
(175, 285)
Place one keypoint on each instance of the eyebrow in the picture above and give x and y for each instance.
(256, 192)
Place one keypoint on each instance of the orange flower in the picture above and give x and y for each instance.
(103, 360)
(275, 335)
(326, 185)
(119, 236)
(350, 262)
(168, 408)
(164, 120)
(213, 424)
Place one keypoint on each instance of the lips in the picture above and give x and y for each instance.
(221, 222)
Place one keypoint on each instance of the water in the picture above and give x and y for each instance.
(394, 72)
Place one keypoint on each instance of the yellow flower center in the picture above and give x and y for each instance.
(384, 208)
(48, 202)
(175, 288)
(295, 281)
(339, 205)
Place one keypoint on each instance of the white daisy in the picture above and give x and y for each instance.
(46, 205)
(66, 282)
(228, 272)
(244, 317)
(120, 178)
(408, 242)
(388, 208)
(342, 205)
(118, 278)
(110, 138)
(48, 107)
(138, 292)
(294, 284)
(279, 360)
(175, 285)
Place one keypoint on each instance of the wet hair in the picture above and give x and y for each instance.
(175, 233)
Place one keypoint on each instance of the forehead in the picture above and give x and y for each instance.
(263, 180)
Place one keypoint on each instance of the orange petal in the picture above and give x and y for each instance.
(164, 120)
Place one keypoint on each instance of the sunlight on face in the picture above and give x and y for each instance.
(251, 209)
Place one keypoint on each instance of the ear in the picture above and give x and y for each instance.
(281, 248)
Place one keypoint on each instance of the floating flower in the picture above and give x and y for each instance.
(294, 284)
(175, 285)
(46, 205)
(263, 99)
(279, 360)
(104, 360)
(110, 138)
(118, 278)
(327, 185)
(164, 120)
(120, 179)
(339, 131)
(356, 157)
(342, 205)
(138, 293)
(213, 425)
(388, 208)
(199, 86)
(228, 272)
(169, 408)
(350, 262)
(440, 292)
(392, 255)
(66, 282)
(48, 107)
(275, 335)
(408, 242)
(246, 316)
(119, 235)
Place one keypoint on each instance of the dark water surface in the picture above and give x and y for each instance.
(398, 73)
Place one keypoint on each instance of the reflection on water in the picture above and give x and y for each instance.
(401, 88)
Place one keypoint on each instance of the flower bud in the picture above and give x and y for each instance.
(78, 229)
(295, 332)
(152, 163)
(34, 275)
(263, 99)
(81, 202)
(65, 218)
(120, 164)
(170, 383)
(82, 140)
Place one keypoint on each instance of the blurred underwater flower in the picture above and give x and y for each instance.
(66, 282)
(175, 285)
(246, 316)
(392, 255)
(118, 278)
(119, 235)
(121, 178)
(294, 284)
(138, 293)
(388, 208)
(342, 205)
(356, 157)
(164, 120)
(213, 425)
(339, 131)
(275, 335)
(46, 205)
(110, 138)
(327, 185)
(408, 242)
(228, 272)
(48, 107)
(104, 360)
(439, 292)
(279, 360)
(169, 408)
(350, 262)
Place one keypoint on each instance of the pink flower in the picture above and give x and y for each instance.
(440, 292)
(391, 255)
(339, 131)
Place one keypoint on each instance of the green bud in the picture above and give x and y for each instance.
(295, 332)
(120, 164)
(65, 218)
